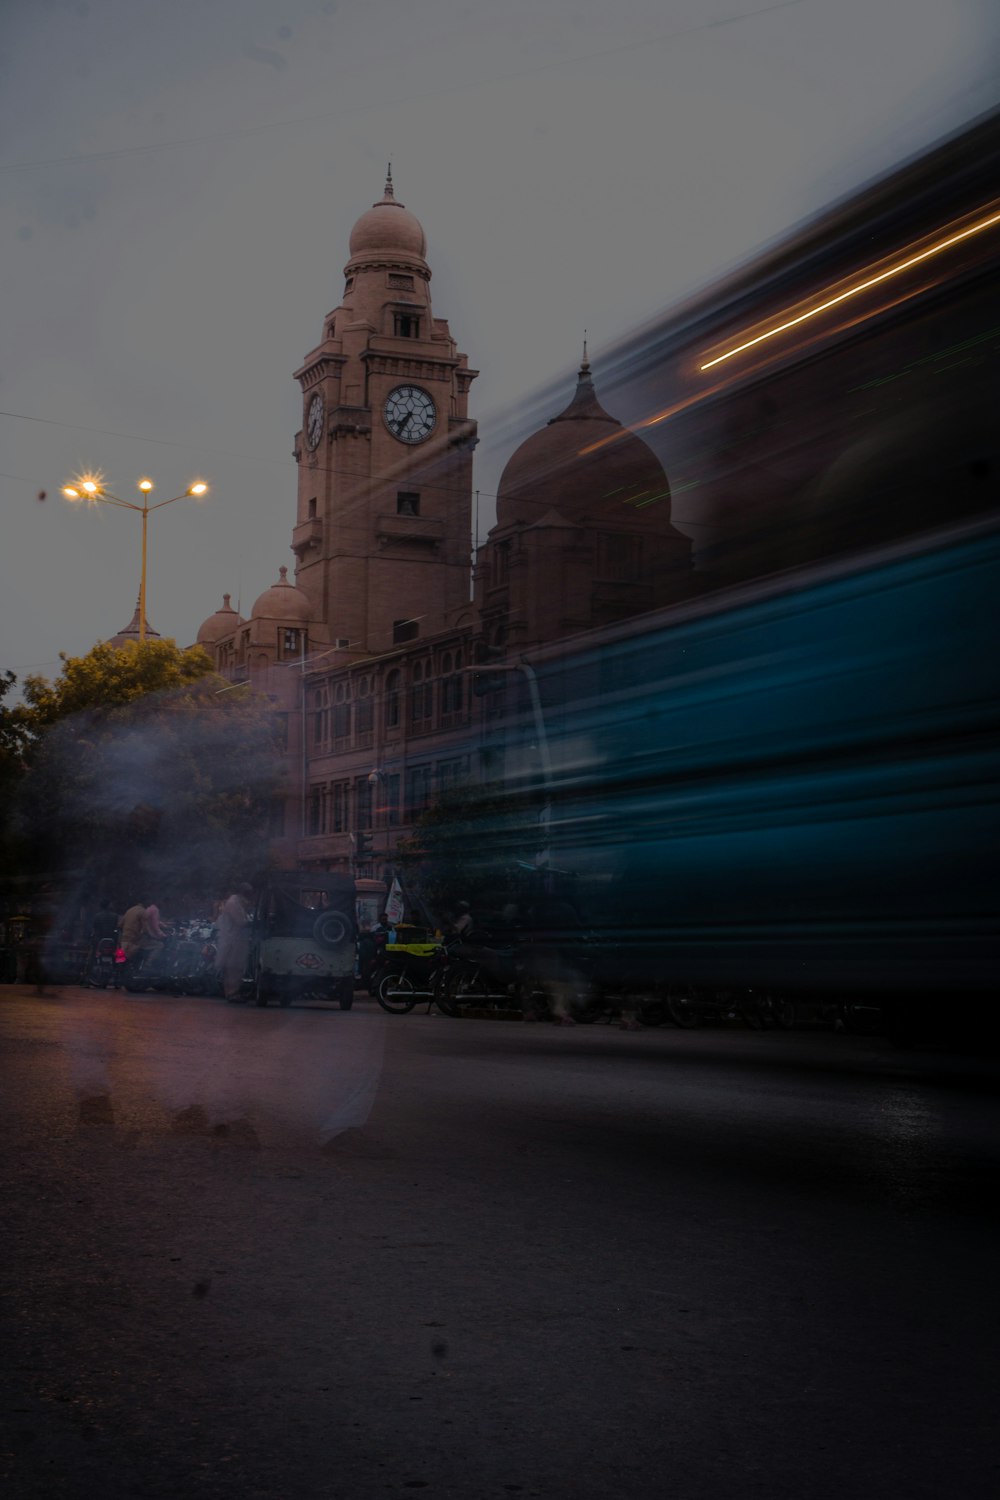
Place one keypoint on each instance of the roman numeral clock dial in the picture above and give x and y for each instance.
(410, 414)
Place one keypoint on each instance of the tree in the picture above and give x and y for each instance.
(14, 740)
(108, 676)
(147, 769)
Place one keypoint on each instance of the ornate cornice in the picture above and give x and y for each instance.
(421, 366)
(313, 371)
(412, 267)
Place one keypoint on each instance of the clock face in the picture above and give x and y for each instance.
(410, 414)
(314, 422)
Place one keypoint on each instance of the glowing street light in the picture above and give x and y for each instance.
(91, 487)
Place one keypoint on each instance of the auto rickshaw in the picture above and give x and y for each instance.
(303, 938)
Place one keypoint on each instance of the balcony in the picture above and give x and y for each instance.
(420, 531)
(307, 536)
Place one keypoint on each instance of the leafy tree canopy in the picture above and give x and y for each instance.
(108, 675)
(148, 769)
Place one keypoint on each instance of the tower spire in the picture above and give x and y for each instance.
(585, 362)
(388, 182)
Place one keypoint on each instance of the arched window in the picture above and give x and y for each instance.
(452, 692)
(341, 713)
(422, 695)
(392, 683)
(364, 706)
(321, 714)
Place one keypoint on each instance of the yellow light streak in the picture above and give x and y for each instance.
(895, 270)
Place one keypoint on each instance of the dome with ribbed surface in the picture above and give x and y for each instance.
(587, 467)
(388, 228)
(282, 601)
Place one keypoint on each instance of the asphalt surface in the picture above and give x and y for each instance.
(308, 1253)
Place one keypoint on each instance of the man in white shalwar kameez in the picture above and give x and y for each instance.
(234, 940)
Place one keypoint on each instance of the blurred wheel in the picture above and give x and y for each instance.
(862, 1017)
(784, 1013)
(684, 1011)
(468, 988)
(442, 999)
(395, 993)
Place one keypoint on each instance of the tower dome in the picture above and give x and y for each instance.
(282, 601)
(388, 228)
(219, 625)
(559, 468)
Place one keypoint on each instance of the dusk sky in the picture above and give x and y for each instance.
(180, 177)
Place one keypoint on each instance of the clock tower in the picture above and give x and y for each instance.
(382, 540)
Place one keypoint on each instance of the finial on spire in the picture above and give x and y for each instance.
(388, 182)
(585, 362)
(283, 574)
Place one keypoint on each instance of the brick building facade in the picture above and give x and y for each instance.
(368, 654)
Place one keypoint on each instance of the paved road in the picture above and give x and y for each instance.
(312, 1254)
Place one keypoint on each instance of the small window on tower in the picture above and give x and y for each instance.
(404, 630)
(312, 510)
(408, 503)
(290, 642)
(348, 283)
(405, 325)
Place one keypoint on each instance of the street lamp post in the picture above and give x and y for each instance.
(93, 490)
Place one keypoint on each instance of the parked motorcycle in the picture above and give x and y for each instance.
(104, 967)
(688, 1006)
(485, 970)
(184, 965)
(401, 981)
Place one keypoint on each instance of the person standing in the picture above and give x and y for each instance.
(133, 929)
(367, 954)
(40, 929)
(462, 924)
(234, 940)
(103, 927)
(154, 930)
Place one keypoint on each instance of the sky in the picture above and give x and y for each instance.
(178, 181)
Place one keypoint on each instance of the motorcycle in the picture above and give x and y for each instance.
(688, 1007)
(484, 970)
(183, 965)
(104, 966)
(404, 978)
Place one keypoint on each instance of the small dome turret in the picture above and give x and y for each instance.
(282, 601)
(219, 625)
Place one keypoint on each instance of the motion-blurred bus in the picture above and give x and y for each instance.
(791, 779)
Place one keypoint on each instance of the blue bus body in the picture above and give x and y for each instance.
(798, 788)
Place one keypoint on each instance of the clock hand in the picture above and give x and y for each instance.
(403, 423)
